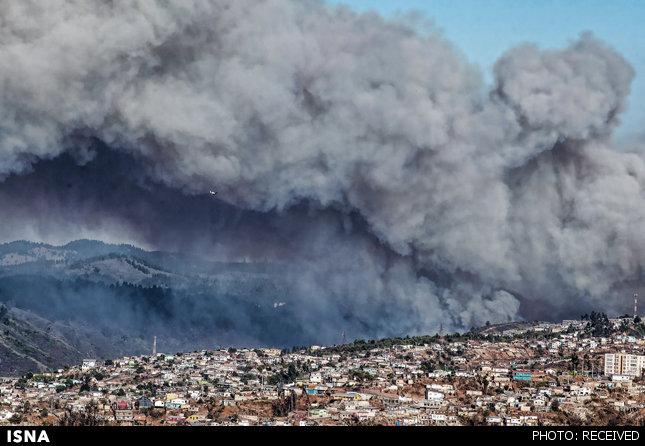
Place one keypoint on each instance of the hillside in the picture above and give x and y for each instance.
(30, 346)
(500, 328)
(91, 299)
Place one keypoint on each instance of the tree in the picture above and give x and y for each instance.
(87, 418)
(555, 405)
(574, 361)
(4, 314)
(15, 418)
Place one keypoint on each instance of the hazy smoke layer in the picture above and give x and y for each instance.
(358, 147)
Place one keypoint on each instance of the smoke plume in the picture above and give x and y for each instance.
(368, 152)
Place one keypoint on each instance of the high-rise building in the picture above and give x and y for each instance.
(624, 364)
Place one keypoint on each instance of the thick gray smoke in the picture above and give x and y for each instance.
(357, 147)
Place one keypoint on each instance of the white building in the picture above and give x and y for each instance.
(433, 395)
(88, 364)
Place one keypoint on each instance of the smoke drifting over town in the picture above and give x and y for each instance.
(367, 151)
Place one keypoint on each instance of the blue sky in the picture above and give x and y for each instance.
(484, 29)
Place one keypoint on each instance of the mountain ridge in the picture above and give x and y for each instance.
(107, 300)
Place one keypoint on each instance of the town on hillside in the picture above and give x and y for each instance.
(577, 372)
